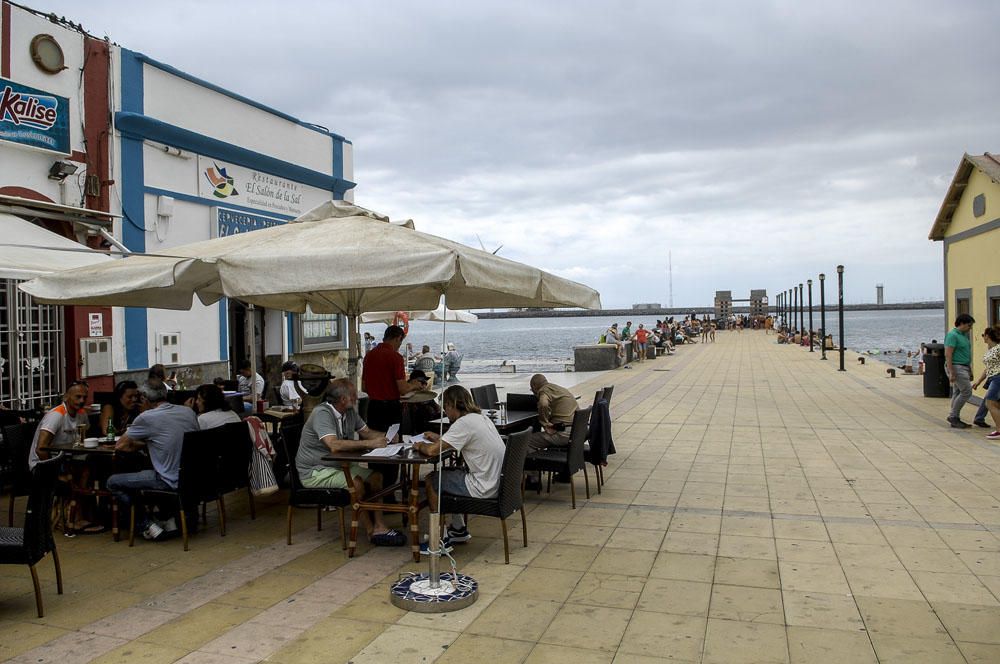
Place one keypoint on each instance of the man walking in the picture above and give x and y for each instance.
(958, 365)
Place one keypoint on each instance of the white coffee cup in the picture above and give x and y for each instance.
(91, 443)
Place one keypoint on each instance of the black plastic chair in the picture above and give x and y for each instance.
(28, 545)
(234, 451)
(15, 478)
(525, 402)
(565, 461)
(302, 497)
(486, 397)
(509, 498)
(587, 452)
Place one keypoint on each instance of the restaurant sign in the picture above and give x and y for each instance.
(218, 181)
(230, 222)
(33, 118)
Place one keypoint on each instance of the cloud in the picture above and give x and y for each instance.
(756, 143)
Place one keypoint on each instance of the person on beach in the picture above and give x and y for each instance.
(958, 366)
(991, 402)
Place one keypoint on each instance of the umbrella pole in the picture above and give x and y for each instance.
(353, 349)
(249, 336)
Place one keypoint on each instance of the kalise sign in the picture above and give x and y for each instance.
(33, 118)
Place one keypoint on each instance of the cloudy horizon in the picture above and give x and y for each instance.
(756, 144)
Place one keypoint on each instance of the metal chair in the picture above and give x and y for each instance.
(567, 460)
(302, 497)
(28, 545)
(509, 498)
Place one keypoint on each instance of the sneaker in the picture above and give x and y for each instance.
(958, 424)
(152, 531)
(170, 525)
(981, 423)
(993, 435)
(425, 546)
(458, 536)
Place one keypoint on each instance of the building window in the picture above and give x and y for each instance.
(963, 301)
(320, 332)
(993, 304)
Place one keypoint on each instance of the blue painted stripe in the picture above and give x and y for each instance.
(133, 207)
(156, 191)
(291, 333)
(238, 97)
(338, 160)
(224, 329)
(136, 125)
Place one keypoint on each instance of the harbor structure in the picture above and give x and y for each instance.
(968, 228)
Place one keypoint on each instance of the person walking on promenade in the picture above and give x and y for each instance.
(958, 365)
(991, 402)
(641, 337)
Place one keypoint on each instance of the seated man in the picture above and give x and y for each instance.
(61, 425)
(556, 406)
(333, 427)
(291, 390)
(424, 360)
(243, 381)
(160, 428)
(482, 449)
(452, 363)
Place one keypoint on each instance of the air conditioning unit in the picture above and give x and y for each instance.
(96, 355)
(168, 348)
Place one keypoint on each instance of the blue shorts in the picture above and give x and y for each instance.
(452, 481)
(993, 391)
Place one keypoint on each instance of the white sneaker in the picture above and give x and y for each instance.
(152, 531)
(170, 525)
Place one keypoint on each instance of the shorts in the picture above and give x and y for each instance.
(333, 477)
(993, 391)
(452, 482)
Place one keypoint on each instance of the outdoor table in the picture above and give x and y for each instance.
(409, 462)
(277, 416)
(511, 421)
(79, 453)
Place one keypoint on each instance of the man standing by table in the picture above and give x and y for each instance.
(61, 425)
(336, 427)
(160, 428)
(384, 380)
(556, 406)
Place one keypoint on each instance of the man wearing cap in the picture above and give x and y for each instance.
(384, 379)
(291, 390)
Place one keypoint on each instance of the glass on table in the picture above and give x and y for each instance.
(81, 434)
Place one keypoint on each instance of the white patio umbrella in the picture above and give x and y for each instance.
(439, 315)
(28, 250)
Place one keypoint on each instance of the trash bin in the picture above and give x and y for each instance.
(936, 383)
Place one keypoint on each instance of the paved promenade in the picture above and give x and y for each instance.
(762, 507)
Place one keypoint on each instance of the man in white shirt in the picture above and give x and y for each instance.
(291, 390)
(475, 436)
(243, 373)
(61, 424)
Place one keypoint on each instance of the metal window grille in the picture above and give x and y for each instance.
(31, 350)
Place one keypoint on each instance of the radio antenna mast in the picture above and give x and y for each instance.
(670, 274)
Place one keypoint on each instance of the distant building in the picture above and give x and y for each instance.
(647, 306)
(723, 304)
(968, 226)
(758, 302)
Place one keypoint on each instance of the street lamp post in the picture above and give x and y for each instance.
(810, 282)
(795, 309)
(822, 314)
(802, 318)
(840, 311)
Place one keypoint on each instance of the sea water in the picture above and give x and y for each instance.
(546, 344)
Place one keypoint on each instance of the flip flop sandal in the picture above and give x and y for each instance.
(389, 538)
(92, 529)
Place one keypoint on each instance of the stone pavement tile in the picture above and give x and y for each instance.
(854, 533)
(545, 653)
(747, 603)
(812, 609)
(696, 523)
(553, 514)
(18, 637)
(688, 566)
(137, 651)
(800, 529)
(991, 582)
(921, 559)
(71, 648)
(264, 591)
(813, 577)
(622, 561)
(199, 657)
(688, 598)
(626, 658)
(129, 623)
(700, 501)
(866, 555)
(474, 648)
(608, 495)
(982, 563)
(192, 630)
(969, 540)
(612, 590)
(583, 535)
(372, 605)
(798, 507)
(747, 572)
(635, 538)
(958, 588)
(686, 542)
(882, 582)
(656, 498)
(806, 551)
(753, 526)
(566, 556)
(589, 515)
(252, 640)
(405, 645)
(519, 555)
(900, 617)
(295, 612)
(668, 635)
(911, 650)
(900, 536)
(589, 627)
(540, 583)
(970, 622)
(813, 645)
(733, 642)
(647, 518)
(980, 653)
(746, 504)
(330, 640)
(741, 546)
(515, 618)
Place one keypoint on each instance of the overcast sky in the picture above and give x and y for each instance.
(759, 143)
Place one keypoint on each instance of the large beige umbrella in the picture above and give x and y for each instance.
(439, 315)
(28, 250)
